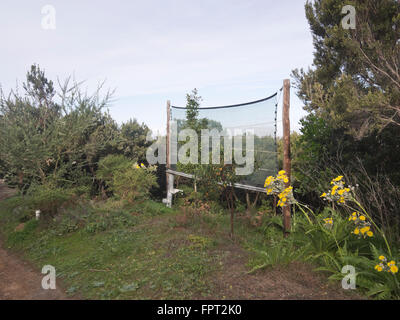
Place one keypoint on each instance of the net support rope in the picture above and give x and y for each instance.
(276, 125)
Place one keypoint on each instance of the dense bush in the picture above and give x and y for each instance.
(127, 179)
(48, 199)
(134, 183)
(57, 137)
(370, 164)
(110, 165)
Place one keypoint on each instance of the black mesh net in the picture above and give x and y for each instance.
(259, 118)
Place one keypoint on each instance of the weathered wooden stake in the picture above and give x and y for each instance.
(168, 160)
(286, 150)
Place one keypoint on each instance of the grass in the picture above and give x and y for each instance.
(114, 251)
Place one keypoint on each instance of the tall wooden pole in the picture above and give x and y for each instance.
(286, 150)
(168, 160)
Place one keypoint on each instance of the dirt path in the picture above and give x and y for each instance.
(18, 280)
(297, 281)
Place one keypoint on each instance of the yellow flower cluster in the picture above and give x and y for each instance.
(277, 185)
(328, 222)
(284, 195)
(339, 192)
(363, 227)
(282, 176)
(269, 184)
(364, 231)
(141, 166)
(384, 265)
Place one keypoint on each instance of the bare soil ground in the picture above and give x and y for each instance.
(19, 281)
(294, 282)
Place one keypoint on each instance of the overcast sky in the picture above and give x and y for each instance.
(151, 51)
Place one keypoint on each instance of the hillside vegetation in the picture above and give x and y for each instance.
(102, 222)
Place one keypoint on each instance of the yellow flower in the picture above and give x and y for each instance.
(334, 190)
(356, 231)
(323, 195)
(379, 268)
(137, 166)
(381, 258)
(364, 230)
(338, 179)
(394, 269)
(391, 263)
(142, 165)
(341, 192)
(283, 178)
(268, 181)
(370, 234)
(282, 172)
(354, 214)
(362, 218)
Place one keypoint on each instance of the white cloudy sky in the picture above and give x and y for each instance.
(151, 51)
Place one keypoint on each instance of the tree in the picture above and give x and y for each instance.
(49, 141)
(132, 140)
(355, 79)
(191, 122)
(352, 95)
(193, 101)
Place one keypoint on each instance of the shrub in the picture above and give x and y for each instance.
(127, 179)
(49, 199)
(111, 164)
(134, 183)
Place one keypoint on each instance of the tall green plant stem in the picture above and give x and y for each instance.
(299, 205)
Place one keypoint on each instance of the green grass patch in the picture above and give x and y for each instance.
(116, 251)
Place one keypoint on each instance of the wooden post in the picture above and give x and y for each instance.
(168, 155)
(168, 134)
(286, 150)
